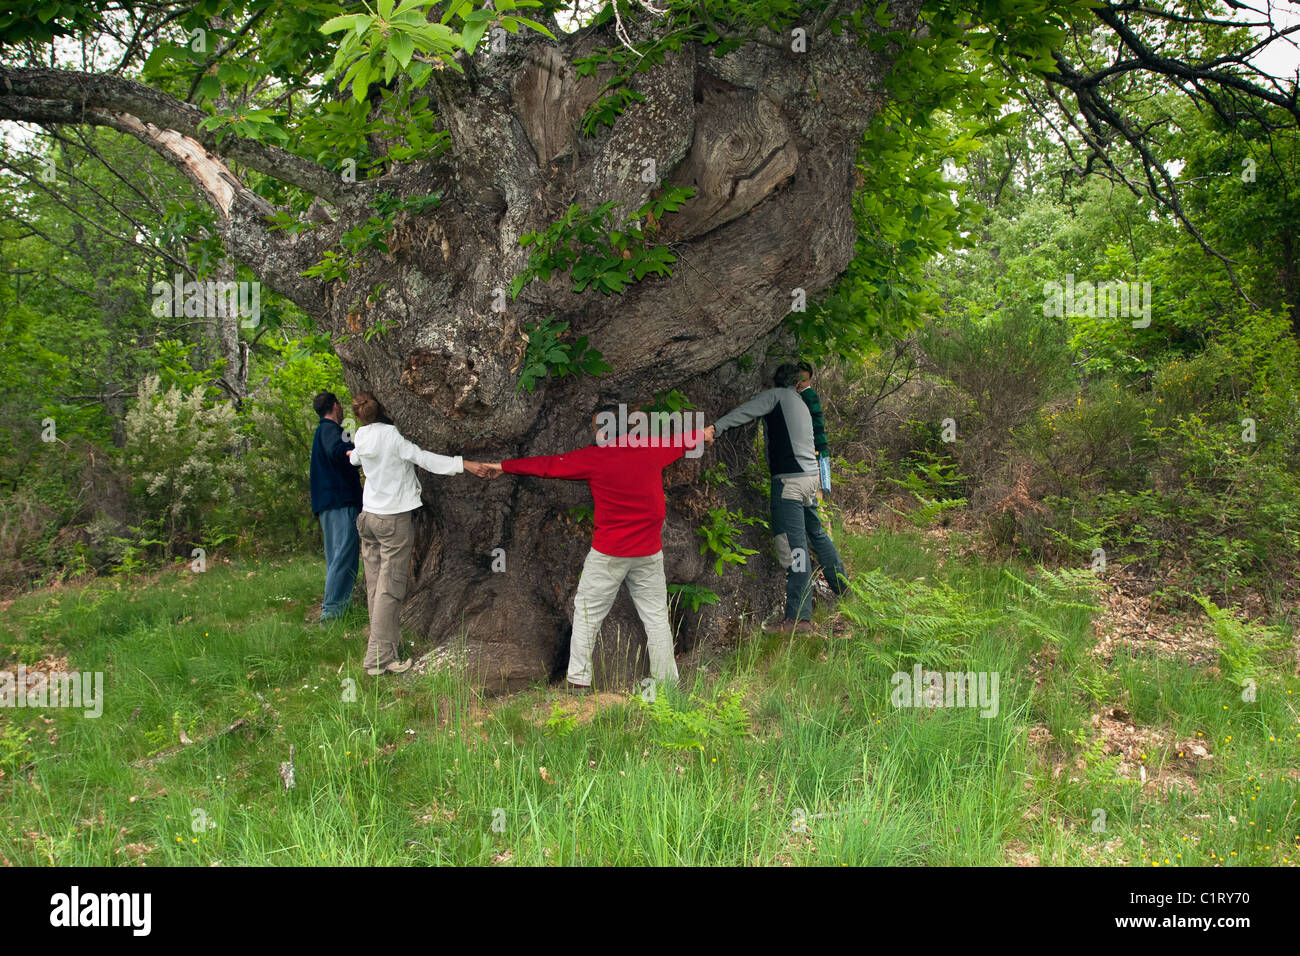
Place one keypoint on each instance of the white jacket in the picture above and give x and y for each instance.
(388, 461)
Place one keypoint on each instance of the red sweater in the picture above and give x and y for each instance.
(626, 485)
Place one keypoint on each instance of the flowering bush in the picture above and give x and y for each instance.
(181, 452)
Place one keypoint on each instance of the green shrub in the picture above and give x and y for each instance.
(1100, 440)
(1005, 365)
(935, 485)
(710, 724)
(14, 752)
(1243, 647)
(1009, 363)
(1217, 513)
(721, 536)
(182, 454)
(912, 621)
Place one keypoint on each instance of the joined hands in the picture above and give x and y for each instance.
(483, 469)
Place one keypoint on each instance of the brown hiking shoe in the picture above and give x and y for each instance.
(577, 690)
(790, 626)
(392, 667)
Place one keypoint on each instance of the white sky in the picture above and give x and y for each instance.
(1282, 57)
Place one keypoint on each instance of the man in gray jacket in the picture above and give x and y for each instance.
(792, 458)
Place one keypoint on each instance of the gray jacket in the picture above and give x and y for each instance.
(787, 428)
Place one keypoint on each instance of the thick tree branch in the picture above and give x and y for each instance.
(1202, 73)
(66, 96)
(1101, 115)
(277, 259)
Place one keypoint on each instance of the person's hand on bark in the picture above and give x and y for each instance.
(708, 436)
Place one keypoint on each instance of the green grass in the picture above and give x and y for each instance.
(826, 771)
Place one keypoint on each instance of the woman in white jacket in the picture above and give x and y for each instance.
(390, 494)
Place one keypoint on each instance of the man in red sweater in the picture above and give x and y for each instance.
(625, 475)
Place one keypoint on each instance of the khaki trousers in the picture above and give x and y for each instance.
(386, 542)
(602, 576)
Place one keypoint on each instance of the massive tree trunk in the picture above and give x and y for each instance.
(768, 140)
(766, 136)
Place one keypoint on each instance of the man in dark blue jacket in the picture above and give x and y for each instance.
(336, 500)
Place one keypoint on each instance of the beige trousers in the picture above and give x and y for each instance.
(386, 542)
(602, 576)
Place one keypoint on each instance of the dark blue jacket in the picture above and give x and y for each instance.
(334, 480)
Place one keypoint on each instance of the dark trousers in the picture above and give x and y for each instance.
(797, 530)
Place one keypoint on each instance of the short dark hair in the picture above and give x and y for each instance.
(324, 403)
(806, 367)
(786, 375)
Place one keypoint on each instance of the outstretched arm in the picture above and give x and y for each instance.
(573, 465)
(437, 464)
(690, 444)
(756, 407)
